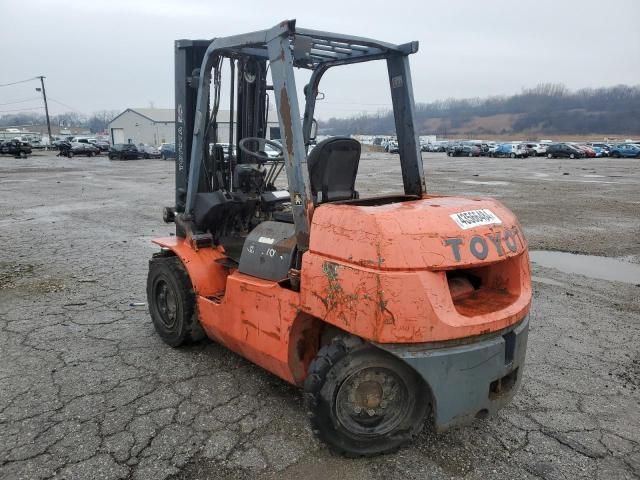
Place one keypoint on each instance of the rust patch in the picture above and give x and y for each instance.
(388, 318)
(336, 298)
(285, 111)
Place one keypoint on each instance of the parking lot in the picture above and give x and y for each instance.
(89, 391)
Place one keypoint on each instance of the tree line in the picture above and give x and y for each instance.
(547, 108)
(96, 122)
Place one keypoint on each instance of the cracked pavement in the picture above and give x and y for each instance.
(87, 390)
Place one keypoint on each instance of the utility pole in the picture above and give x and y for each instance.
(46, 108)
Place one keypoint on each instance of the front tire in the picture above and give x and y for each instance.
(363, 401)
(172, 302)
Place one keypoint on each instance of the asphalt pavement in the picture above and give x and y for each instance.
(89, 391)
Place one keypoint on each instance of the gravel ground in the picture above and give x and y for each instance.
(88, 391)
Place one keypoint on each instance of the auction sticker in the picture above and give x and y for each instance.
(475, 218)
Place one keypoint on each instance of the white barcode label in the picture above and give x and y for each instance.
(475, 218)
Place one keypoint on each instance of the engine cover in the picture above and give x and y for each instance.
(268, 251)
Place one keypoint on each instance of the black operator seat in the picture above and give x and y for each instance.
(333, 166)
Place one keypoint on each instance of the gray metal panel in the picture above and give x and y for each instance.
(295, 156)
(459, 377)
(404, 114)
(268, 251)
(188, 56)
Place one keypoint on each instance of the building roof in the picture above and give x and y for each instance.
(168, 114)
(157, 114)
(153, 114)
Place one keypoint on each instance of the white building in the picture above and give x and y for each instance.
(143, 125)
(154, 126)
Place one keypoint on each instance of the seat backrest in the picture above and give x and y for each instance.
(333, 166)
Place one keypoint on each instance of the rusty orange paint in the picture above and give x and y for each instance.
(378, 272)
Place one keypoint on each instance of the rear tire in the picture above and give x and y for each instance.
(70, 155)
(572, 156)
(172, 302)
(363, 401)
(513, 155)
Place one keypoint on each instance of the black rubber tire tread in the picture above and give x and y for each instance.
(322, 424)
(188, 328)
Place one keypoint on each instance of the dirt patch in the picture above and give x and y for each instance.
(21, 275)
(12, 273)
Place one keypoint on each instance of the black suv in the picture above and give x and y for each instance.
(562, 150)
(124, 151)
(15, 148)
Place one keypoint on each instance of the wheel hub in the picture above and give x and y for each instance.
(372, 401)
(166, 302)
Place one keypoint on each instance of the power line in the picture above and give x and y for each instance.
(19, 81)
(21, 109)
(64, 104)
(24, 100)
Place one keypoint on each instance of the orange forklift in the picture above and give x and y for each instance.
(390, 311)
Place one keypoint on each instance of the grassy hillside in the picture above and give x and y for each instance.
(546, 110)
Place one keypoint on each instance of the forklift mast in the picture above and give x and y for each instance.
(250, 102)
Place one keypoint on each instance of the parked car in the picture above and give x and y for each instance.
(72, 149)
(461, 150)
(148, 151)
(605, 148)
(625, 150)
(16, 148)
(124, 151)
(485, 149)
(512, 150)
(564, 150)
(600, 152)
(540, 149)
(80, 148)
(167, 151)
(102, 145)
(392, 147)
(531, 152)
(91, 140)
(588, 151)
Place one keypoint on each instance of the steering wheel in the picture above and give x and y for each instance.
(259, 151)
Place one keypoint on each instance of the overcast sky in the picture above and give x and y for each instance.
(114, 54)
